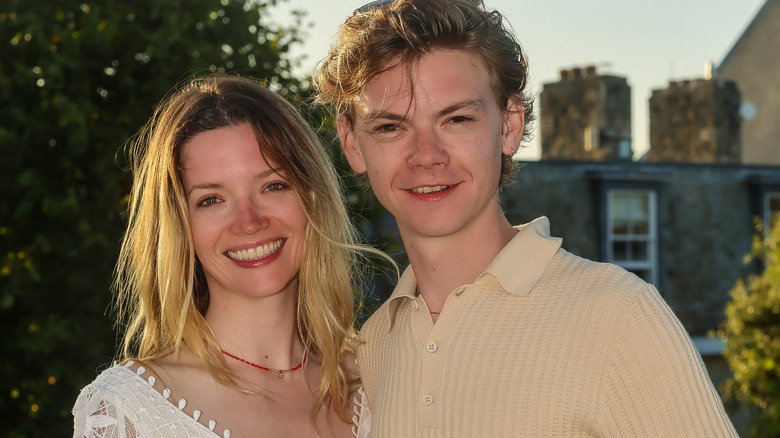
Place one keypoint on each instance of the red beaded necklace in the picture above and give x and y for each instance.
(272, 370)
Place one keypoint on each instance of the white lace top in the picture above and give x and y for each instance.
(122, 403)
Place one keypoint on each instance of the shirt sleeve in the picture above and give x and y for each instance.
(99, 413)
(656, 383)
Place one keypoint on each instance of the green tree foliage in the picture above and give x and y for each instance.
(77, 79)
(752, 333)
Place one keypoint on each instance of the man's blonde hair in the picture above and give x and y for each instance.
(403, 31)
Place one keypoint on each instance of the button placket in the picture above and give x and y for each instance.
(433, 343)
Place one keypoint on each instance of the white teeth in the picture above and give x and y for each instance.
(257, 252)
(427, 189)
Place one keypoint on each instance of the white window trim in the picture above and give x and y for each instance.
(708, 346)
(651, 238)
(767, 201)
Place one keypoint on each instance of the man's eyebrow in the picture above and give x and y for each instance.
(384, 115)
(478, 104)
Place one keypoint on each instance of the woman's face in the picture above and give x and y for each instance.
(247, 223)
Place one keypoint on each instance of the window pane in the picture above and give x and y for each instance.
(630, 212)
(774, 202)
(642, 227)
(639, 251)
(619, 251)
(640, 214)
(619, 226)
(773, 206)
(619, 214)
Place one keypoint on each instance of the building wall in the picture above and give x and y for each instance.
(754, 63)
(586, 116)
(695, 122)
(705, 222)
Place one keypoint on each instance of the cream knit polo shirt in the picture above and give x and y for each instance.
(542, 344)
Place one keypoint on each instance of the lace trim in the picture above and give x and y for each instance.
(361, 412)
(182, 403)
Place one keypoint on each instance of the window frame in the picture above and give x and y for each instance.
(767, 212)
(650, 263)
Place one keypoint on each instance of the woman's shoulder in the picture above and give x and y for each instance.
(116, 383)
(107, 399)
(113, 379)
(126, 394)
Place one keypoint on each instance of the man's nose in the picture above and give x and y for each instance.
(428, 150)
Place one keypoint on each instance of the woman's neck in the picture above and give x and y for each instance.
(262, 331)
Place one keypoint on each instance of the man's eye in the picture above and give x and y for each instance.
(386, 128)
(460, 119)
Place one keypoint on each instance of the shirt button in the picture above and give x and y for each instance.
(431, 347)
(427, 399)
(415, 305)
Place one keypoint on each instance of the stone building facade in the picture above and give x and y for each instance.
(695, 121)
(586, 116)
(683, 227)
(753, 63)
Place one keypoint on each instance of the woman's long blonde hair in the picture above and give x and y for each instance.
(162, 295)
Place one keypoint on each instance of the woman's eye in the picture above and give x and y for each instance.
(276, 186)
(205, 202)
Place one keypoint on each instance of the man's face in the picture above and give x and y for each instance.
(433, 157)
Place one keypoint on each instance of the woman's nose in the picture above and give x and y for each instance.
(249, 219)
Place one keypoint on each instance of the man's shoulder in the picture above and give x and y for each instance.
(379, 321)
(599, 278)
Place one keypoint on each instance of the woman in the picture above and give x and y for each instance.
(234, 278)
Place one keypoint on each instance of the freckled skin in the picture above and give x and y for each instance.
(449, 134)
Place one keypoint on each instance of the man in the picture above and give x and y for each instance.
(493, 330)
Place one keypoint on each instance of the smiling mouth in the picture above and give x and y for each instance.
(430, 189)
(256, 253)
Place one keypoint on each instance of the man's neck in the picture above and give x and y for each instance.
(441, 264)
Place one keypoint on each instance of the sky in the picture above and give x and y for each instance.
(648, 42)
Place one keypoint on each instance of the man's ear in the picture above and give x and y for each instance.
(514, 125)
(349, 144)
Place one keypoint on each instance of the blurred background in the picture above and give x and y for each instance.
(655, 148)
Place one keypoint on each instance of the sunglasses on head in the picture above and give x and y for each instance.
(378, 3)
(372, 5)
